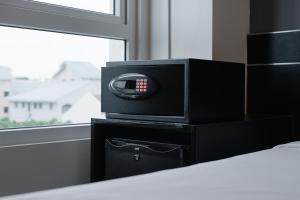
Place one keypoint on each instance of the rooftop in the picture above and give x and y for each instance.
(21, 86)
(49, 92)
(83, 70)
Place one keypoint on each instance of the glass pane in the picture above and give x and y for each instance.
(103, 6)
(51, 78)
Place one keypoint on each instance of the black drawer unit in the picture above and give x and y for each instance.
(132, 157)
(185, 91)
(123, 148)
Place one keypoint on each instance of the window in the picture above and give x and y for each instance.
(54, 50)
(5, 110)
(65, 108)
(102, 6)
(6, 94)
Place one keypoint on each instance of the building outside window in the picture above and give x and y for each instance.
(52, 53)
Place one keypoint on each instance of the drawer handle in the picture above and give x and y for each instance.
(170, 149)
(136, 157)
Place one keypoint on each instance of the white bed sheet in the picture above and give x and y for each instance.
(267, 175)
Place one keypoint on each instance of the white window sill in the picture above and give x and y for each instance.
(38, 135)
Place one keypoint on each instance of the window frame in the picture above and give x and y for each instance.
(29, 14)
(47, 17)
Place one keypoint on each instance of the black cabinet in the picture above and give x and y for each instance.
(128, 147)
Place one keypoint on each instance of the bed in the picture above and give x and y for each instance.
(266, 175)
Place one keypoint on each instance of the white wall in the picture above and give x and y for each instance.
(159, 29)
(230, 28)
(21, 114)
(44, 158)
(181, 29)
(207, 29)
(191, 29)
(87, 107)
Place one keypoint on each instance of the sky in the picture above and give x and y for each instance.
(38, 54)
(104, 6)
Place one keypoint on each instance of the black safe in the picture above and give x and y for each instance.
(180, 90)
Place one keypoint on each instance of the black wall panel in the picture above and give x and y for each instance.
(274, 48)
(274, 58)
(275, 90)
(274, 15)
(270, 89)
